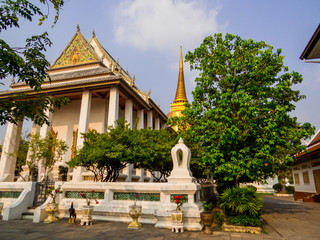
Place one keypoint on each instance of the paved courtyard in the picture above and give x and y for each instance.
(286, 219)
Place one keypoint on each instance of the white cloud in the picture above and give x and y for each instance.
(164, 24)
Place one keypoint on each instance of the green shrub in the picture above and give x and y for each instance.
(207, 206)
(290, 189)
(242, 206)
(277, 187)
(253, 188)
(218, 218)
(244, 220)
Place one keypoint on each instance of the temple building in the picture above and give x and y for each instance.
(100, 92)
(181, 97)
(306, 170)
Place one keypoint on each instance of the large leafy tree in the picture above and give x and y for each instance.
(105, 154)
(153, 149)
(240, 114)
(26, 63)
(45, 152)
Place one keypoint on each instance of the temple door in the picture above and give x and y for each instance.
(316, 175)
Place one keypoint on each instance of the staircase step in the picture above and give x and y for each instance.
(27, 216)
(31, 210)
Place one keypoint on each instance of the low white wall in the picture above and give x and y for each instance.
(266, 187)
(14, 207)
(158, 212)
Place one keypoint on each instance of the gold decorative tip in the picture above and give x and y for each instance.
(181, 95)
(93, 33)
(134, 77)
(149, 92)
(78, 28)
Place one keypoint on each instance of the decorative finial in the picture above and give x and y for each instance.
(181, 90)
(117, 61)
(149, 92)
(127, 70)
(78, 28)
(12, 81)
(180, 141)
(134, 78)
(93, 33)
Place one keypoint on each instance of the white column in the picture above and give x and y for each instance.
(128, 172)
(128, 117)
(45, 128)
(140, 115)
(129, 112)
(105, 117)
(157, 124)
(43, 133)
(9, 152)
(149, 119)
(141, 173)
(113, 106)
(83, 128)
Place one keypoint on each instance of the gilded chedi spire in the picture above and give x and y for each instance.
(181, 95)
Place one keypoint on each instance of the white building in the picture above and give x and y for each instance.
(100, 92)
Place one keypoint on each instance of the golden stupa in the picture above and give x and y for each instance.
(181, 97)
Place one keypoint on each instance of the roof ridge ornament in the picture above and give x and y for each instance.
(78, 28)
(93, 32)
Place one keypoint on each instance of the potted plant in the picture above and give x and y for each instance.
(87, 210)
(52, 207)
(135, 212)
(177, 214)
(207, 216)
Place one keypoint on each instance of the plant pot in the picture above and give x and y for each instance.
(87, 212)
(51, 209)
(135, 212)
(177, 220)
(207, 220)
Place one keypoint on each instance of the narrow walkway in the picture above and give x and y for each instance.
(286, 219)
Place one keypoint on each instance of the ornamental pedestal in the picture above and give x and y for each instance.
(177, 220)
(207, 220)
(135, 213)
(87, 212)
(51, 209)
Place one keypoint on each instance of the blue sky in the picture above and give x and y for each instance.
(146, 34)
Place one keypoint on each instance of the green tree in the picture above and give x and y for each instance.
(153, 149)
(240, 114)
(106, 154)
(22, 153)
(45, 152)
(26, 64)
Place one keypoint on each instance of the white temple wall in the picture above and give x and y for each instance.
(121, 113)
(134, 117)
(65, 121)
(97, 114)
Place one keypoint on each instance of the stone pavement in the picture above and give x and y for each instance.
(286, 219)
